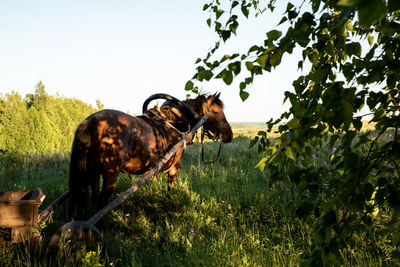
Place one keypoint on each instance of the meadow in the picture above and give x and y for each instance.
(225, 214)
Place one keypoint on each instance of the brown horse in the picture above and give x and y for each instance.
(109, 141)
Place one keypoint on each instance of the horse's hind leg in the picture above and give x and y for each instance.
(94, 185)
(78, 199)
(109, 183)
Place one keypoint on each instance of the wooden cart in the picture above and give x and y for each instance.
(18, 214)
(19, 209)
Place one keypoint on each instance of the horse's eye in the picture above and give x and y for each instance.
(215, 112)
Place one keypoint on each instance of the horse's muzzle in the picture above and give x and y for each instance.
(226, 135)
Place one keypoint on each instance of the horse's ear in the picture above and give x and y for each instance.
(210, 100)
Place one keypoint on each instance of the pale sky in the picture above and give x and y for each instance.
(121, 52)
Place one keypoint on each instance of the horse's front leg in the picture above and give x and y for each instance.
(172, 174)
(176, 166)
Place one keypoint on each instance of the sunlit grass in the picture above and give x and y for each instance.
(227, 213)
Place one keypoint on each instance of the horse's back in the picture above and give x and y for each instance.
(121, 141)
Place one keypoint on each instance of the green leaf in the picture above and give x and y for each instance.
(347, 112)
(219, 13)
(370, 40)
(188, 85)
(205, 75)
(275, 59)
(274, 35)
(300, 65)
(371, 12)
(233, 26)
(348, 25)
(227, 76)
(243, 95)
(245, 11)
(290, 153)
(315, 5)
(353, 48)
(289, 6)
(209, 22)
(262, 163)
(348, 2)
(225, 57)
(380, 113)
(225, 34)
(282, 20)
(294, 123)
(218, 26)
(262, 60)
(319, 75)
(253, 141)
(249, 65)
(253, 48)
(235, 67)
(234, 4)
(313, 57)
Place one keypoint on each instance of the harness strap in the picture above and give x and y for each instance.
(183, 135)
(166, 122)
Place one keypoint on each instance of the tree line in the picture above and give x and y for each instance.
(39, 123)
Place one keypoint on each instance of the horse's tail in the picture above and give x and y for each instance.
(79, 170)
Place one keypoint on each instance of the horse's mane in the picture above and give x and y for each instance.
(201, 98)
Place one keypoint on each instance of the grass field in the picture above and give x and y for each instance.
(226, 214)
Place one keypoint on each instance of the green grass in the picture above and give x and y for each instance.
(226, 214)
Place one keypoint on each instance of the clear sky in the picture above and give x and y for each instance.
(121, 52)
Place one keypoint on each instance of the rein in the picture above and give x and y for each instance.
(213, 137)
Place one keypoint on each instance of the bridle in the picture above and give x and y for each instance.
(216, 136)
(194, 115)
(213, 137)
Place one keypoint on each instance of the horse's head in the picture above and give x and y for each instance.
(216, 125)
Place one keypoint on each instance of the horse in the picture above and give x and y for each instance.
(109, 142)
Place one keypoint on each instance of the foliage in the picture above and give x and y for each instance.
(221, 214)
(350, 52)
(39, 123)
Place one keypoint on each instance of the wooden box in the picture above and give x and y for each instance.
(18, 214)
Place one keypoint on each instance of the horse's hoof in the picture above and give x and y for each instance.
(70, 239)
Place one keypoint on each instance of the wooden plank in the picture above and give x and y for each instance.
(50, 209)
(18, 215)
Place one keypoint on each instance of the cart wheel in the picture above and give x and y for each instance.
(70, 238)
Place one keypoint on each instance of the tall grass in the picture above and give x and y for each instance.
(222, 214)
